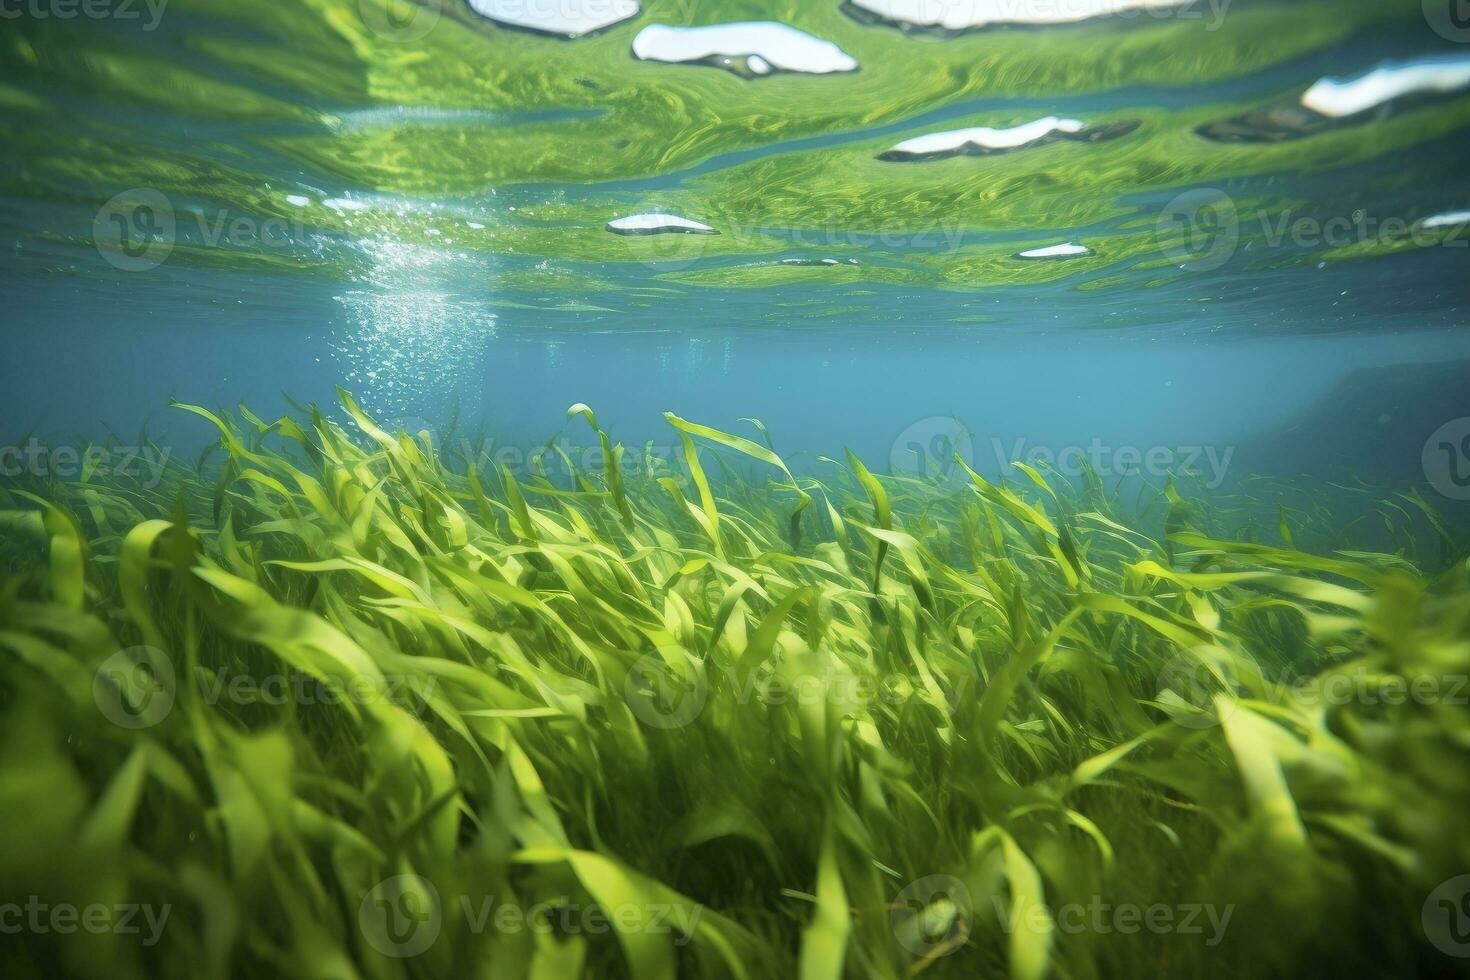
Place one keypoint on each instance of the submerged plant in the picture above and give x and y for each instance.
(345, 704)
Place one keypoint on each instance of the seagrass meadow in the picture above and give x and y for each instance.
(709, 716)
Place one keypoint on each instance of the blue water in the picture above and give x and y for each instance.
(1276, 356)
(424, 352)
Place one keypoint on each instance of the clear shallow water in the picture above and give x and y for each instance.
(317, 201)
(595, 687)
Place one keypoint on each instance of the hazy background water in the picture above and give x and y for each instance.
(92, 357)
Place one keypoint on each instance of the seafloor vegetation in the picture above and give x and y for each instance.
(343, 703)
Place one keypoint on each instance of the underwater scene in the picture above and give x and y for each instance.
(734, 489)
